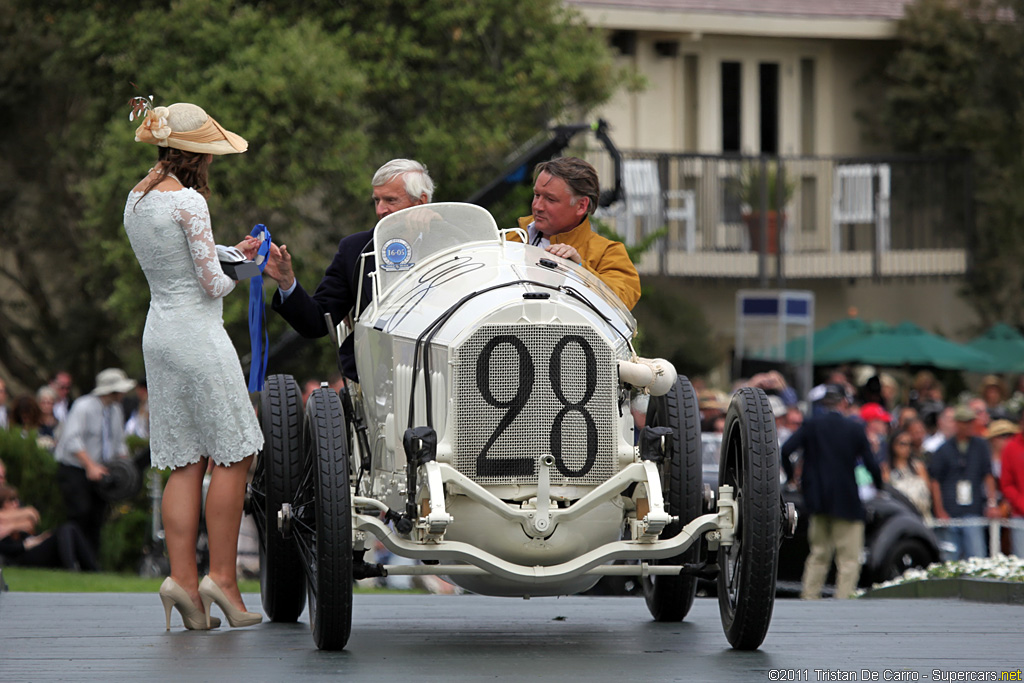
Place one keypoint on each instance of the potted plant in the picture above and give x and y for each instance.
(755, 177)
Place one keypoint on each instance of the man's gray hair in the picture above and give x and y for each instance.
(417, 180)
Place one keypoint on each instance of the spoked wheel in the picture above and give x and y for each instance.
(747, 568)
(669, 598)
(275, 481)
(323, 520)
(906, 553)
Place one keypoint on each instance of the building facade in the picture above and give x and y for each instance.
(749, 146)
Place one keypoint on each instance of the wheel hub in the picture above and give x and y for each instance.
(709, 499)
(284, 520)
(790, 517)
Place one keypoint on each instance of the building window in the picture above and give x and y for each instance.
(807, 108)
(768, 74)
(691, 111)
(732, 73)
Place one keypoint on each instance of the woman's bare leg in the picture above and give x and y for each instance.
(224, 501)
(180, 510)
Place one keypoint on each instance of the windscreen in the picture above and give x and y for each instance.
(411, 236)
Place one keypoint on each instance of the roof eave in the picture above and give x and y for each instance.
(698, 23)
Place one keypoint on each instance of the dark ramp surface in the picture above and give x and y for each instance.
(121, 637)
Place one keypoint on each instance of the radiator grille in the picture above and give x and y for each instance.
(522, 391)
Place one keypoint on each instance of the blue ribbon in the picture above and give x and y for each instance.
(258, 339)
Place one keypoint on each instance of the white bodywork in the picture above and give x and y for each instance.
(527, 357)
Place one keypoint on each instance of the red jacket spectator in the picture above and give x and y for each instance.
(1011, 478)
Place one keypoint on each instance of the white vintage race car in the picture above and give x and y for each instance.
(491, 438)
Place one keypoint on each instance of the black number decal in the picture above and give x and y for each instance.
(555, 374)
(504, 467)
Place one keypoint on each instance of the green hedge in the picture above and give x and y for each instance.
(33, 471)
(126, 534)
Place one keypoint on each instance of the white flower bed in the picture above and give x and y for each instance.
(1000, 568)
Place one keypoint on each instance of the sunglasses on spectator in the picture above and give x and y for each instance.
(901, 442)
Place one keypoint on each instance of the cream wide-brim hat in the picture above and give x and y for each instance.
(187, 127)
(112, 381)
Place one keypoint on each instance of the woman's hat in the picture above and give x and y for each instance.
(187, 127)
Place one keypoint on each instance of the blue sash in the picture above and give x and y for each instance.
(258, 339)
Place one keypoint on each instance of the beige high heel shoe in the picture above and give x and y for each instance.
(210, 592)
(173, 595)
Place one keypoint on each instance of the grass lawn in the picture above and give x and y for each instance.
(27, 580)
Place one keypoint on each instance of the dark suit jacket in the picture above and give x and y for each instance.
(833, 446)
(336, 294)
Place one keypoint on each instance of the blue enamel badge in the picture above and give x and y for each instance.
(396, 255)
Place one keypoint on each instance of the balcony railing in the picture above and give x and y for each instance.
(840, 218)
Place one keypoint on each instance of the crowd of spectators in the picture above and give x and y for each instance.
(84, 442)
(959, 460)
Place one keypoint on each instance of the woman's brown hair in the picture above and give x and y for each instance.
(190, 168)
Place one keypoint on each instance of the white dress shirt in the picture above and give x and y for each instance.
(93, 428)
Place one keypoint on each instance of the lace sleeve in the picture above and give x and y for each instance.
(193, 215)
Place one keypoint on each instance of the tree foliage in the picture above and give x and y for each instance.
(325, 92)
(956, 85)
(673, 326)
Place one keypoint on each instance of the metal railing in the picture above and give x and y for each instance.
(994, 527)
(778, 218)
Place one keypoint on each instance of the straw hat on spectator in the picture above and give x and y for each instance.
(1001, 428)
(709, 399)
(993, 381)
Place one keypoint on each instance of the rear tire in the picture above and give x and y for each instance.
(669, 598)
(747, 569)
(275, 481)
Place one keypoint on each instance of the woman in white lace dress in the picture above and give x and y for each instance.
(198, 402)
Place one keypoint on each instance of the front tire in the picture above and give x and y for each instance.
(669, 598)
(324, 524)
(747, 568)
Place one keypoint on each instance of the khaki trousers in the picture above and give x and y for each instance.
(830, 536)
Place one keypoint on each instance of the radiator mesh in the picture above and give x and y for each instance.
(522, 391)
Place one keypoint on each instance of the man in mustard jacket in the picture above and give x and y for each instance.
(564, 195)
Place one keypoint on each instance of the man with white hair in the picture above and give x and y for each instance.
(398, 184)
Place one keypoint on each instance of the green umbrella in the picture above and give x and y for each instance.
(839, 331)
(906, 344)
(869, 330)
(1006, 346)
